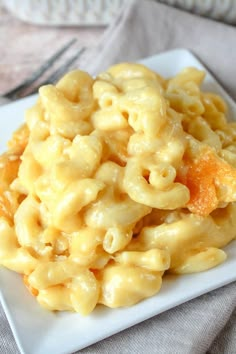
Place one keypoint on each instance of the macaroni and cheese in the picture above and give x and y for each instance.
(113, 182)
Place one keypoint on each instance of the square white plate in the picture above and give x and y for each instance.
(38, 331)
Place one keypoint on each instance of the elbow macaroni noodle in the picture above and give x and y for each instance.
(113, 182)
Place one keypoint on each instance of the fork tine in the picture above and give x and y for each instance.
(15, 93)
(60, 71)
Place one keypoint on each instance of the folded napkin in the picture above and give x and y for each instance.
(143, 28)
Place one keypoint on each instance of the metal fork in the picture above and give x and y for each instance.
(27, 88)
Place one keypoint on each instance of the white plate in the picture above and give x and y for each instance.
(38, 331)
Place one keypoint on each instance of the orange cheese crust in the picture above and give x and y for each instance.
(204, 176)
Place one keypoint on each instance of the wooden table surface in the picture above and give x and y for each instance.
(23, 47)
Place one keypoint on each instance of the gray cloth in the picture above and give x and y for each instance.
(146, 28)
(205, 324)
